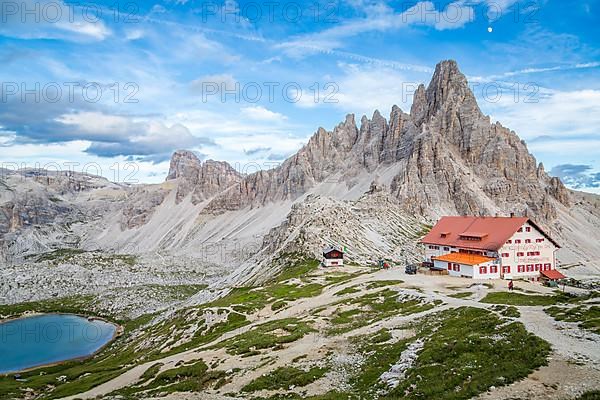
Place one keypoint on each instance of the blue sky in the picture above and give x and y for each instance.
(115, 87)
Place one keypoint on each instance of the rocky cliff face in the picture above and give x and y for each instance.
(451, 159)
(38, 207)
(462, 161)
(202, 179)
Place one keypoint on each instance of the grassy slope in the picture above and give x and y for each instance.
(519, 299)
(284, 377)
(372, 307)
(587, 317)
(465, 351)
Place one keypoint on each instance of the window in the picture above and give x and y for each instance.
(527, 240)
(493, 269)
(505, 255)
(529, 267)
(456, 267)
(527, 229)
(540, 240)
(446, 248)
(520, 229)
(517, 241)
(520, 254)
(509, 241)
(449, 266)
(538, 267)
(483, 270)
(520, 268)
(506, 269)
(547, 267)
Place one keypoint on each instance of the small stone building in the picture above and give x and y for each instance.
(333, 256)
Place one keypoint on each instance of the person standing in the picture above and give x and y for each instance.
(510, 285)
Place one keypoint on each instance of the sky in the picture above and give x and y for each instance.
(114, 87)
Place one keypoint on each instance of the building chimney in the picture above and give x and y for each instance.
(512, 214)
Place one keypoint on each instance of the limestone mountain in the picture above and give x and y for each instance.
(202, 179)
(447, 156)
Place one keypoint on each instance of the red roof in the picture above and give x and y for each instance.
(463, 258)
(553, 274)
(482, 233)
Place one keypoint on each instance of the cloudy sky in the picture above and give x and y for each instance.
(115, 87)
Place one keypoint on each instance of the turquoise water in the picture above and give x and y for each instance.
(49, 338)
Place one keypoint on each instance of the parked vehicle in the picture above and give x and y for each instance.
(411, 269)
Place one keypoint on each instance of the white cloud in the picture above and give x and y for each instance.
(253, 127)
(158, 9)
(217, 81)
(381, 18)
(362, 89)
(96, 30)
(51, 19)
(72, 156)
(543, 112)
(134, 34)
(538, 70)
(114, 135)
(260, 113)
(559, 127)
(97, 123)
(235, 150)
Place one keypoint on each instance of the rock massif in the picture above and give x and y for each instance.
(202, 179)
(450, 159)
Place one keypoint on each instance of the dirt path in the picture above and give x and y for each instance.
(582, 348)
(561, 379)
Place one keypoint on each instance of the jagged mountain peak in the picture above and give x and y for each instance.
(183, 162)
(418, 110)
(202, 179)
(448, 86)
(186, 164)
(448, 92)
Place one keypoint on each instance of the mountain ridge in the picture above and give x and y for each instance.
(444, 113)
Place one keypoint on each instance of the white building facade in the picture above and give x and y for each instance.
(490, 248)
(333, 257)
(527, 253)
